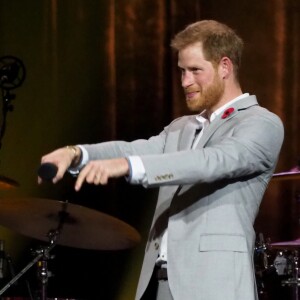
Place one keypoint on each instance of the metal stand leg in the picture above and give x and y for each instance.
(43, 273)
(296, 275)
(21, 273)
(42, 257)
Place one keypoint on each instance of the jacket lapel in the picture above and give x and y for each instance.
(211, 129)
(188, 134)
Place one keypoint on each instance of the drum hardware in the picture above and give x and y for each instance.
(260, 251)
(84, 228)
(293, 271)
(274, 264)
(293, 174)
(7, 183)
(286, 245)
(7, 269)
(261, 262)
(42, 256)
(294, 281)
(78, 226)
(277, 271)
(281, 263)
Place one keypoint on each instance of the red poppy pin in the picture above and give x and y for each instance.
(227, 112)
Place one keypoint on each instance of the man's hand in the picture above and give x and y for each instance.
(63, 159)
(99, 171)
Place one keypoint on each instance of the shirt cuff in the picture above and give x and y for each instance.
(84, 160)
(137, 172)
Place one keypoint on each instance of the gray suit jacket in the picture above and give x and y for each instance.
(208, 199)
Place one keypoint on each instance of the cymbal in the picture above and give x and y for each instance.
(82, 227)
(7, 183)
(286, 245)
(291, 175)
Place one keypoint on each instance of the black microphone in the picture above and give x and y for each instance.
(9, 72)
(12, 72)
(47, 171)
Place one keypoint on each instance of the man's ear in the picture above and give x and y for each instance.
(225, 67)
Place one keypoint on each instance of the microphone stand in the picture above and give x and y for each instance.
(7, 106)
(12, 75)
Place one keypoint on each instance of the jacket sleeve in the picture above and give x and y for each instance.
(249, 148)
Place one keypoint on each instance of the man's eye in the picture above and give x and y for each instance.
(196, 70)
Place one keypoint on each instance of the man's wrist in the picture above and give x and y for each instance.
(77, 155)
(137, 171)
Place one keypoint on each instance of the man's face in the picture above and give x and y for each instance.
(202, 84)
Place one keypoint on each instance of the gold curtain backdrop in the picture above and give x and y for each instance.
(102, 70)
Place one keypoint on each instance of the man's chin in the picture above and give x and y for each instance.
(193, 109)
(193, 106)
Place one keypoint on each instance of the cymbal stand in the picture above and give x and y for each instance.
(53, 234)
(42, 256)
(42, 269)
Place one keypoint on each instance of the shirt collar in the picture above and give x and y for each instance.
(202, 117)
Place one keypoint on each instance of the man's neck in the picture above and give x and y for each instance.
(229, 95)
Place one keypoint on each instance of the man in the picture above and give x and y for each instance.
(212, 169)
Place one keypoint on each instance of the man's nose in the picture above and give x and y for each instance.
(186, 79)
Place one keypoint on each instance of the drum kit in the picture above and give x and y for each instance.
(67, 224)
(277, 264)
(60, 223)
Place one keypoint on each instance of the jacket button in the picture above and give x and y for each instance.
(156, 245)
